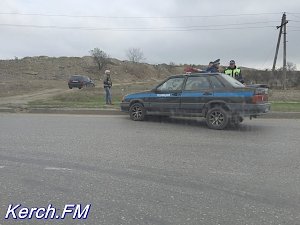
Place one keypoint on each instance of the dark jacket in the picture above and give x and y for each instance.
(107, 82)
(212, 69)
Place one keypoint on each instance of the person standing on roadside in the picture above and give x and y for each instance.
(107, 87)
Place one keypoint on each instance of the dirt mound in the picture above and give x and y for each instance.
(51, 68)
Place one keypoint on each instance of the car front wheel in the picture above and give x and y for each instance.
(217, 118)
(137, 112)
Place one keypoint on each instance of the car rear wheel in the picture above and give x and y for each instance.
(137, 112)
(217, 118)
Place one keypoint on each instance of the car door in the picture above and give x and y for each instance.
(166, 97)
(196, 93)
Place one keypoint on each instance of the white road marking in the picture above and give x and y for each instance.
(58, 168)
(1, 167)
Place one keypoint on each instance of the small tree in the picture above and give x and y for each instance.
(291, 66)
(100, 58)
(135, 55)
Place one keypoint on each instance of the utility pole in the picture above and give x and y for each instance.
(277, 46)
(282, 26)
(284, 51)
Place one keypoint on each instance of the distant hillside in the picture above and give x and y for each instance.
(51, 68)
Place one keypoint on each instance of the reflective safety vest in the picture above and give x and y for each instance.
(235, 73)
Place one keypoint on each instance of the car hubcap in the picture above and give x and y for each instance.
(137, 112)
(216, 118)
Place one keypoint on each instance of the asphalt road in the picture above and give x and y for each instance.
(171, 172)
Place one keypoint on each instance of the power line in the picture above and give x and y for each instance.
(225, 26)
(181, 27)
(195, 28)
(137, 17)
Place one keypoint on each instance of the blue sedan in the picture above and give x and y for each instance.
(219, 98)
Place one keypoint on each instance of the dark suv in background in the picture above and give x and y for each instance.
(80, 81)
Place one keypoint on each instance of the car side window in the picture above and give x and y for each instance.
(173, 84)
(197, 83)
(216, 83)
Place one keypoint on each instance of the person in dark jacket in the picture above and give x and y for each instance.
(107, 87)
(214, 68)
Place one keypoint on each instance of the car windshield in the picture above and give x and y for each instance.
(232, 81)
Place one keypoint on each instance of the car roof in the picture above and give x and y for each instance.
(80, 76)
(195, 74)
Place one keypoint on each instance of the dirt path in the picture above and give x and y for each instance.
(22, 100)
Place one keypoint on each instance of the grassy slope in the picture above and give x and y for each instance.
(94, 98)
(90, 97)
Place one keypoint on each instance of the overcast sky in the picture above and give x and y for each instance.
(191, 31)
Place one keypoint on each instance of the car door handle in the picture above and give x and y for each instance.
(207, 93)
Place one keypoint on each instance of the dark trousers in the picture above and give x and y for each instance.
(107, 95)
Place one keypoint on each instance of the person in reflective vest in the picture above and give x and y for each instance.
(234, 71)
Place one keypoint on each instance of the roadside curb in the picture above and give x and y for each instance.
(111, 111)
(63, 111)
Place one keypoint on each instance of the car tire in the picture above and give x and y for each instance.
(217, 118)
(79, 87)
(137, 112)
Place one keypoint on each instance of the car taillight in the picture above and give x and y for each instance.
(260, 95)
(257, 99)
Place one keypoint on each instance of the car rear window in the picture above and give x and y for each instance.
(76, 78)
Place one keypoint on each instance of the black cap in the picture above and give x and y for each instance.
(216, 62)
(232, 61)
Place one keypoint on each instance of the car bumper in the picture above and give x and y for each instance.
(75, 85)
(124, 106)
(252, 109)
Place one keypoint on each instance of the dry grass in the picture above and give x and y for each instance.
(291, 95)
(89, 97)
(20, 87)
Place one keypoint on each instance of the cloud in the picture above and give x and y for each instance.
(165, 42)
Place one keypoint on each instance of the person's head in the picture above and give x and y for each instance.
(216, 63)
(232, 64)
(107, 72)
